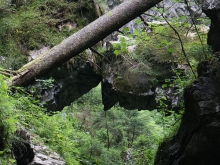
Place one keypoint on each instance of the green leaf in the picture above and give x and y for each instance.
(117, 52)
(136, 32)
(1, 152)
(125, 29)
(183, 17)
(159, 29)
(138, 21)
(124, 49)
(122, 39)
(171, 50)
(164, 85)
(123, 44)
(12, 160)
(146, 38)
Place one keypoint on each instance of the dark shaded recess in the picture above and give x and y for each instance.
(136, 90)
(2, 136)
(72, 80)
(79, 76)
(197, 140)
(21, 148)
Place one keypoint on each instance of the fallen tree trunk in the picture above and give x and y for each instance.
(81, 40)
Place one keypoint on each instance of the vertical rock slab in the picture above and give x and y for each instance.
(212, 10)
(197, 141)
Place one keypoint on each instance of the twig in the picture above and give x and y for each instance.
(6, 74)
(8, 71)
(166, 36)
(96, 52)
(143, 20)
(193, 21)
(120, 31)
(127, 60)
(181, 43)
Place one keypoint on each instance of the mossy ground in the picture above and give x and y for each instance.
(31, 25)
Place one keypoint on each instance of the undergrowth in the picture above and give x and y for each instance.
(79, 132)
(33, 24)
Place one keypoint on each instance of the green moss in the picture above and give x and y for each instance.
(31, 25)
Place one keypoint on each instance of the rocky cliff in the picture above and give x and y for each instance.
(132, 84)
(27, 152)
(197, 140)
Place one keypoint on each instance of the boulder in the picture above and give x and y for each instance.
(28, 153)
(134, 84)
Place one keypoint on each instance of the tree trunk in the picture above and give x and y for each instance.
(81, 40)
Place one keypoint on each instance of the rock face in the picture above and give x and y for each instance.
(197, 141)
(132, 84)
(44, 156)
(172, 9)
(69, 82)
(212, 10)
(22, 149)
(28, 153)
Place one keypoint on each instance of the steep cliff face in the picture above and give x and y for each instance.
(197, 140)
(212, 10)
(70, 81)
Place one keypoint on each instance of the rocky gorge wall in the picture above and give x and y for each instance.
(197, 140)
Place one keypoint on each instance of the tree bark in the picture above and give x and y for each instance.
(81, 40)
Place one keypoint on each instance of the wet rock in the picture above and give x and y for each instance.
(197, 140)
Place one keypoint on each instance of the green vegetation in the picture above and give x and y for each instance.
(176, 42)
(83, 133)
(28, 25)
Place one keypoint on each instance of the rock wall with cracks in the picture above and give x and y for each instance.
(70, 81)
(132, 85)
(197, 140)
(28, 152)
